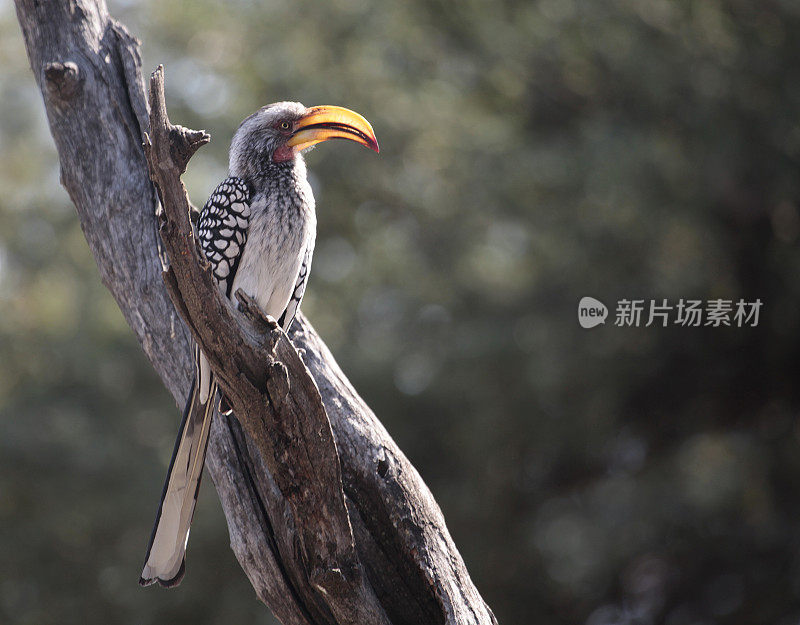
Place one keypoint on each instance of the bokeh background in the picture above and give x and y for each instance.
(533, 152)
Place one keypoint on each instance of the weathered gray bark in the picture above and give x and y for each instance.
(327, 517)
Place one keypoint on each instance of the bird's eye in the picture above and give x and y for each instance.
(284, 125)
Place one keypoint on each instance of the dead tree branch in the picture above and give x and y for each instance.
(327, 517)
(271, 391)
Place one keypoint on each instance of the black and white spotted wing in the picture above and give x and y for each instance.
(299, 289)
(222, 228)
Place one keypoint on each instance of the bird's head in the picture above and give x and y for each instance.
(278, 132)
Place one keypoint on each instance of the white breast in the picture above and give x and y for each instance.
(276, 243)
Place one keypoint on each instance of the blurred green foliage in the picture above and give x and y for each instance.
(533, 152)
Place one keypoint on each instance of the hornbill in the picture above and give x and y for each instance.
(257, 231)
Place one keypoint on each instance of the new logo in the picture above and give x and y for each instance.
(591, 312)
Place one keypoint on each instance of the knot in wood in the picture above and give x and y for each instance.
(248, 306)
(383, 463)
(183, 143)
(383, 467)
(63, 80)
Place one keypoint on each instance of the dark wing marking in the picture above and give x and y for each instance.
(222, 228)
(299, 289)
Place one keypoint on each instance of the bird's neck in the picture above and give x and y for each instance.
(271, 177)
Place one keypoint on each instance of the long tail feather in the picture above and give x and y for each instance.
(164, 562)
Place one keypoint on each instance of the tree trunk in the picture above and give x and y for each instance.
(327, 517)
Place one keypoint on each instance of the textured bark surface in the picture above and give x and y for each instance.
(327, 517)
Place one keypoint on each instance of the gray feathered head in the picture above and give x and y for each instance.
(277, 133)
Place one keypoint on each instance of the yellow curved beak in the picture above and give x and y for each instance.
(321, 123)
